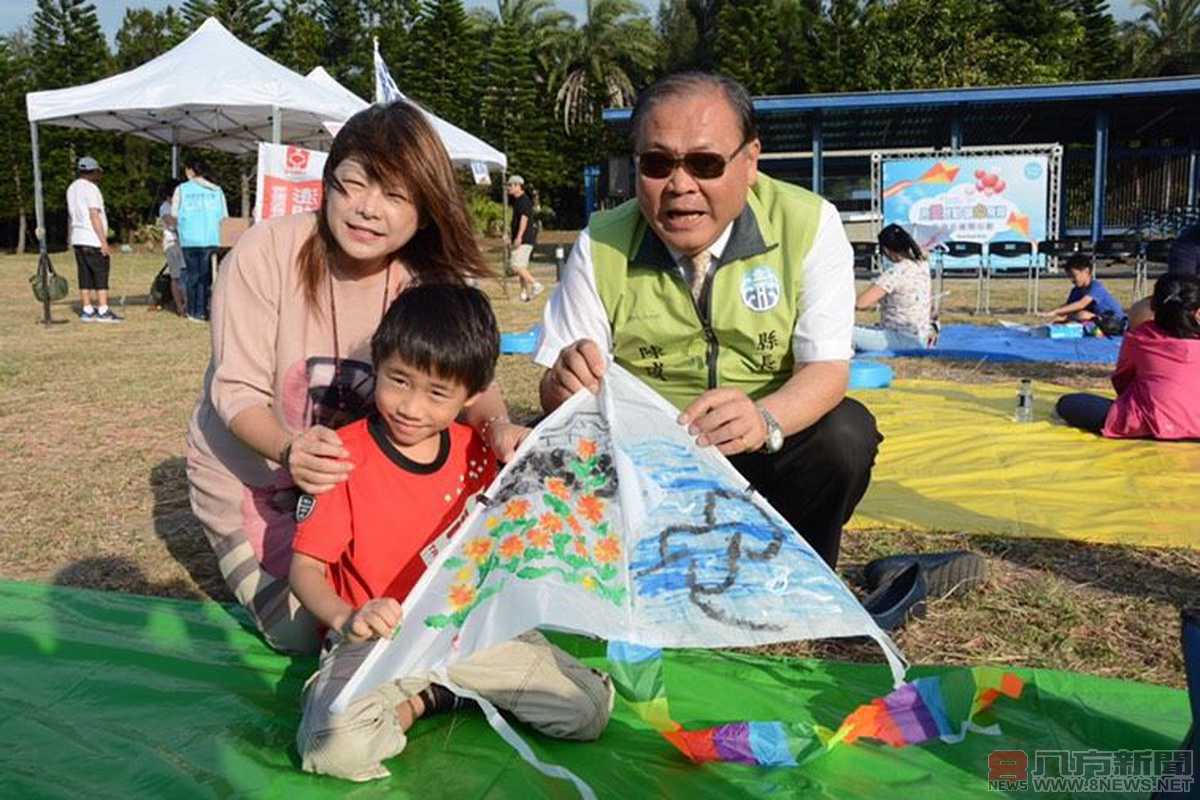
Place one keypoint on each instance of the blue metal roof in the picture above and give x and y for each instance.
(1095, 91)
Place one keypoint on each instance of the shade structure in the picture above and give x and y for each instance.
(209, 91)
(462, 146)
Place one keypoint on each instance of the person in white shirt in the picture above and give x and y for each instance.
(88, 236)
(732, 295)
(171, 248)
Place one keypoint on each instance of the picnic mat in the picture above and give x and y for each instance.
(954, 459)
(998, 343)
(113, 695)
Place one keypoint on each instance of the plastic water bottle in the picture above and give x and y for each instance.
(1024, 401)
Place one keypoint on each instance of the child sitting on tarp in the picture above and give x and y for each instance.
(1158, 373)
(360, 548)
(1089, 301)
(903, 295)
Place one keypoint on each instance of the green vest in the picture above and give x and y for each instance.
(739, 334)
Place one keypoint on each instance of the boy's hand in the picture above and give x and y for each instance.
(376, 618)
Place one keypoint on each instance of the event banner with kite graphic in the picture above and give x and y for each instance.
(968, 198)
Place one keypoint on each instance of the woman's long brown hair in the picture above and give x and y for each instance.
(396, 144)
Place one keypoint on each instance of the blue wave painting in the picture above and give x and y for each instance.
(707, 545)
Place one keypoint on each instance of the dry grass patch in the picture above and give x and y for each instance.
(93, 491)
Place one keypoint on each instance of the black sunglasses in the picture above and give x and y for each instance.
(700, 165)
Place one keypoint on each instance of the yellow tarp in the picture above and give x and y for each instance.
(953, 459)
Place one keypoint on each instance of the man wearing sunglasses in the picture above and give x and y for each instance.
(732, 295)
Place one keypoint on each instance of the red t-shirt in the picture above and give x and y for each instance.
(372, 528)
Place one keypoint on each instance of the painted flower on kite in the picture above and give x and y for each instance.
(461, 596)
(492, 522)
(478, 549)
(516, 509)
(574, 523)
(588, 582)
(512, 547)
(551, 523)
(581, 547)
(539, 537)
(608, 549)
(558, 488)
(585, 449)
(591, 508)
(465, 574)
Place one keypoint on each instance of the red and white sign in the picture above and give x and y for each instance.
(289, 180)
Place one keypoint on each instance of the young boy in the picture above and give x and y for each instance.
(360, 548)
(1088, 301)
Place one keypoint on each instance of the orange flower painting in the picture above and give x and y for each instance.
(551, 523)
(581, 547)
(539, 537)
(512, 547)
(516, 509)
(608, 549)
(461, 596)
(558, 488)
(574, 523)
(591, 508)
(585, 449)
(478, 549)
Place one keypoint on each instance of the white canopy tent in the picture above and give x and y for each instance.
(209, 91)
(462, 146)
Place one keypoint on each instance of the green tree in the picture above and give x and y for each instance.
(801, 62)
(16, 193)
(444, 79)
(746, 46)
(68, 44)
(296, 40)
(1050, 32)
(1099, 54)
(509, 110)
(603, 62)
(680, 37)
(347, 52)
(1166, 38)
(145, 34)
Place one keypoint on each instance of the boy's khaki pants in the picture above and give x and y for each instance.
(538, 683)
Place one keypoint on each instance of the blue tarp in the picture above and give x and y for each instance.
(995, 343)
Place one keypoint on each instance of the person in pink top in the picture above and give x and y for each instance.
(1158, 373)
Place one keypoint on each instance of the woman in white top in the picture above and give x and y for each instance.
(903, 294)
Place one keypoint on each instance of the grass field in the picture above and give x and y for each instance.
(93, 492)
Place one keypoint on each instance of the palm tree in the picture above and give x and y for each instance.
(1167, 36)
(600, 61)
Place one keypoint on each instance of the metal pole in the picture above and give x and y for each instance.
(1193, 170)
(1099, 175)
(39, 213)
(818, 166)
(174, 157)
(504, 221)
(276, 125)
(956, 133)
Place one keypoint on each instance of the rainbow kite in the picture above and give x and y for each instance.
(1019, 222)
(940, 172)
(914, 713)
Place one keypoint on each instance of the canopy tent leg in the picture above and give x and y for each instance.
(505, 228)
(1193, 170)
(276, 125)
(174, 157)
(39, 213)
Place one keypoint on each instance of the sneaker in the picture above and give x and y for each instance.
(524, 296)
(537, 289)
(107, 315)
(945, 573)
(192, 318)
(87, 316)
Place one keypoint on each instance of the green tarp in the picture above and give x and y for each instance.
(111, 695)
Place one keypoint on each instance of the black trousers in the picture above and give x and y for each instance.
(1082, 410)
(819, 476)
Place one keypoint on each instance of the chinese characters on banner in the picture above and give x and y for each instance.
(289, 180)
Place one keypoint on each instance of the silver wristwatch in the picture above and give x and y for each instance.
(774, 440)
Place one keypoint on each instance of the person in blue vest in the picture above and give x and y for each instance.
(198, 205)
(732, 295)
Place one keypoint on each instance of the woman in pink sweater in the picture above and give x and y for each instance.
(294, 308)
(1158, 373)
